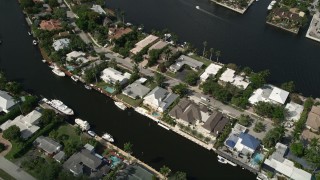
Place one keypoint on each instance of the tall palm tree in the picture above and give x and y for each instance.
(211, 52)
(122, 13)
(205, 43)
(218, 54)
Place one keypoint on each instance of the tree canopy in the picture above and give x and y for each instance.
(12, 133)
(273, 136)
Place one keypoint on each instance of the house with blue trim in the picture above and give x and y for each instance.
(243, 142)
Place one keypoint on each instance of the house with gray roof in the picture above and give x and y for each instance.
(59, 157)
(135, 90)
(187, 112)
(85, 162)
(159, 99)
(48, 145)
(186, 60)
(60, 44)
(6, 101)
(215, 123)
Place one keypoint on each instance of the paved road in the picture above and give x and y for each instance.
(14, 170)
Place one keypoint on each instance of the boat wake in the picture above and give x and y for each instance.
(212, 15)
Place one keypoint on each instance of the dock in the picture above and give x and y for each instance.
(47, 106)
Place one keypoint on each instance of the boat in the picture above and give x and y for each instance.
(222, 160)
(29, 33)
(87, 87)
(58, 72)
(34, 42)
(74, 78)
(84, 125)
(120, 105)
(197, 7)
(92, 133)
(107, 137)
(58, 105)
(269, 7)
(165, 127)
(128, 24)
(43, 60)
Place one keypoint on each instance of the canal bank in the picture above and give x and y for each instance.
(245, 40)
(21, 61)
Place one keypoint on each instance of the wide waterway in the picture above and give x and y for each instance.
(245, 40)
(21, 61)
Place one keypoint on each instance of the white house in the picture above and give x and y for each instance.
(98, 9)
(228, 76)
(6, 101)
(212, 70)
(269, 93)
(159, 99)
(144, 43)
(135, 90)
(74, 55)
(60, 44)
(185, 60)
(294, 111)
(110, 75)
(27, 124)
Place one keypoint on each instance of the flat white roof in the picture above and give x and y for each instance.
(212, 69)
(279, 95)
(294, 111)
(227, 75)
(143, 43)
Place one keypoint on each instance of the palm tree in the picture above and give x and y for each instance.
(165, 170)
(122, 13)
(211, 52)
(128, 147)
(218, 54)
(168, 53)
(205, 43)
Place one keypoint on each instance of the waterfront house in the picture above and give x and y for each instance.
(110, 75)
(277, 163)
(159, 99)
(187, 112)
(77, 56)
(136, 90)
(50, 25)
(294, 111)
(60, 156)
(144, 43)
(185, 60)
(158, 45)
(48, 145)
(98, 9)
(215, 123)
(116, 33)
(269, 93)
(243, 142)
(60, 44)
(6, 101)
(84, 162)
(27, 124)
(211, 70)
(229, 76)
(313, 121)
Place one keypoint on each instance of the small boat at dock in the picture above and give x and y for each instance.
(58, 72)
(120, 105)
(87, 87)
(74, 78)
(29, 33)
(107, 137)
(84, 125)
(222, 160)
(43, 60)
(92, 133)
(34, 42)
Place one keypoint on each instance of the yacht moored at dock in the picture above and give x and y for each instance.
(92, 133)
(58, 72)
(74, 78)
(88, 87)
(120, 105)
(84, 125)
(107, 137)
(222, 160)
(34, 42)
(58, 105)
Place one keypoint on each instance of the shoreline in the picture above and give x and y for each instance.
(280, 27)
(309, 30)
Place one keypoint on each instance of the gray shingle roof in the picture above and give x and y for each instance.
(47, 144)
(187, 111)
(215, 123)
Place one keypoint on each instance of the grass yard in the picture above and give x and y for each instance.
(205, 61)
(4, 175)
(69, 131)
(132, 102)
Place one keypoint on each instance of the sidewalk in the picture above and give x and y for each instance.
(14, 170)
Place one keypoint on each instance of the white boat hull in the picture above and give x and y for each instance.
(120, 105)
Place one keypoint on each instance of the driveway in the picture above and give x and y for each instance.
(14, 170)
(7, 145)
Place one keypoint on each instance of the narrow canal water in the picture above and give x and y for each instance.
(245, 40)
(21, 61)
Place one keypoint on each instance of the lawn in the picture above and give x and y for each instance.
(205, 61)
(4, 175)
(132, 102)
(171, 74)
(69, 131)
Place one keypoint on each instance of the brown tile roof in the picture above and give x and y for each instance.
(313, 120)
(215, 123)
(187, 111)
(50, 25)
(116, 33)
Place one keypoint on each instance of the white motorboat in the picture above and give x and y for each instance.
(43, 60)
(29, 33)
(222, 160)
(120, 105)
(269, 7)
(107, 137)
(197, 7)
(58, 72)
(74, 78)
(34, 42)
(58, 105)
(92, 133)
(87, 87)
(84, 125)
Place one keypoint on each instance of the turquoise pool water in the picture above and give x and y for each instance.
(70, 68)
(155, 114)
(257, 158)
(109, 89)
(115, 160)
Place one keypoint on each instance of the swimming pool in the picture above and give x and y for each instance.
(155, 114)
(115, 160)
(257, 158)
(70, 68)
(109, 89)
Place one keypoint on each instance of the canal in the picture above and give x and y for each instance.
(245, 40)
(21, 61)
